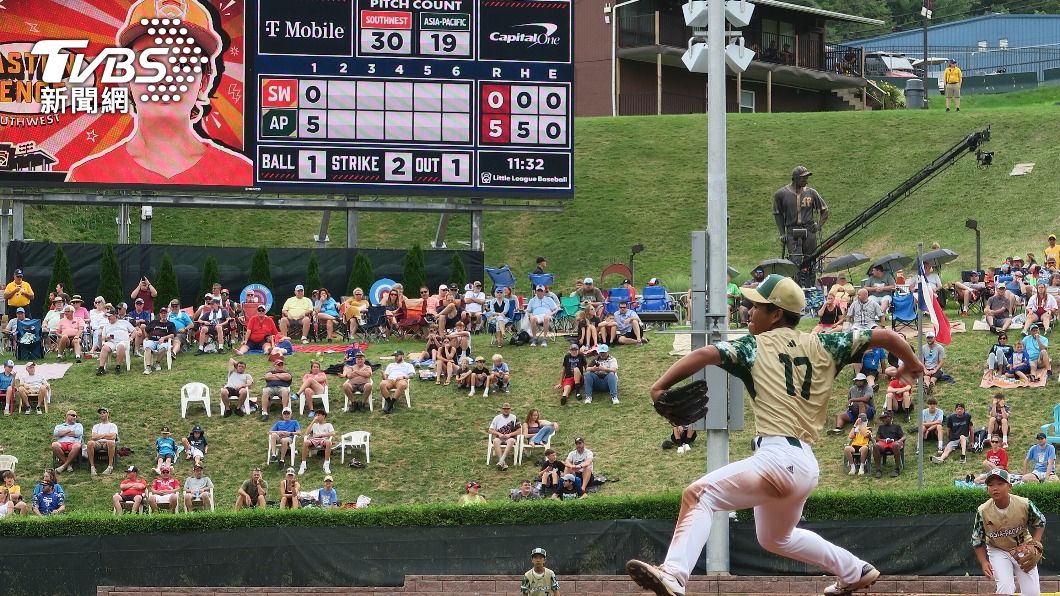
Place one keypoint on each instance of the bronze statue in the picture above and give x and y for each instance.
(795, 209)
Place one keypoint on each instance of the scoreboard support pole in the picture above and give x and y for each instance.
(322, 235)
(5, 237)
(145, 226)
(352, 219)
(476, 226)
(18, 221)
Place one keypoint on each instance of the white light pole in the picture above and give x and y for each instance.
(611, 12)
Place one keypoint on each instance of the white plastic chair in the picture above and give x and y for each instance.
(169, 358)
(183, 507)
(354, 439)
(194, 392)
(408, 399)
(514, 451)
(145, 507)
(523, 445)
(324, 398)
(7, 462)
(346, 400)
(291, 448)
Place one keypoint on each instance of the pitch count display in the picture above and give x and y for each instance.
(438, 97)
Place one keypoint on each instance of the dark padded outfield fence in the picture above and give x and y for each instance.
(352, 556)
(288, 267)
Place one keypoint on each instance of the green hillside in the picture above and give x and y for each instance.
(642, 180)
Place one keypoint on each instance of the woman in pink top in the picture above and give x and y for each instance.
(313, 382)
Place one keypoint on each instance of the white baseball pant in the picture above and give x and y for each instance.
(775, 481)
(1007, 572)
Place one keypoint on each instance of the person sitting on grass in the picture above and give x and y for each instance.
(860, 438)
(859, 402)
(574, 364)
(252, 492)
(130, 490)
(587, 324)
(682, 436)
(998, 412)
(1036, 345)
(471, 496)
(1040, 309)
(898, 397)
(525, 492)
(165, 449)
(830, 316)
(445, 362)
(195, 445)
(480, 376)
(289, 489)
(934, 357)
(569, 488)
(931, 420)
(500, 375)
(999, 358)
(165, 490)
(995, 457)
(551, 472)
(889, 440)
(1041, 458)
(14, 492)
(630, 327)
(49, 501)
(959, 433)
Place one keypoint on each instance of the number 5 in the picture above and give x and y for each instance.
(789, 375)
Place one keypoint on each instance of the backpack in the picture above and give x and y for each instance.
(979, 440)
(520, 339)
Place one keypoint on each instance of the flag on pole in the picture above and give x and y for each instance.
(929, 303)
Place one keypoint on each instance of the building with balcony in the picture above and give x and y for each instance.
(795, 68)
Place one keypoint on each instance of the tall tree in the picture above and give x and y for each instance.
(457, 272)
(312, 273)
(166, 282)
(61, 272)
(260, 270)
(110, 277)
(361, 275)
(211, 274)
(415, 274)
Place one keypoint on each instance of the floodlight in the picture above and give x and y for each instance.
(737, 12)
(737, 56)
(696, 57)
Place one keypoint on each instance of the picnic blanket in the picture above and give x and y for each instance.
(955, 327)
(328, 348)
(54, 370)
(990, 380)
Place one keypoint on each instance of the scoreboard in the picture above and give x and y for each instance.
(452, 97)
(360, 97)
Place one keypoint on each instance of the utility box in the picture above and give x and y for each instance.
(914, 94)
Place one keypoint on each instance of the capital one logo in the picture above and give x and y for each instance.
(532, 37)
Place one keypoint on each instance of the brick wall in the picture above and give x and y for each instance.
(607, 585)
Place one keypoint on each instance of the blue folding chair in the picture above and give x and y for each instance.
(903, 314)
(541, 279)
(614, 296)
(654, 299)
(501, 277)
(29, 342)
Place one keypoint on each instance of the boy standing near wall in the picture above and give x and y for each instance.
(540, 579)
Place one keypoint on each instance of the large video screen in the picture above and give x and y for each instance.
(424, 97)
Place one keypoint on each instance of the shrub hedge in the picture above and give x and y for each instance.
(823, 505)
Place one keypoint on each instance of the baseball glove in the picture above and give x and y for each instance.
(685, 404)
(1027, 554)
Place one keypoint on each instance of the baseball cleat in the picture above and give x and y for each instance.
(869, 575)
(654, 579)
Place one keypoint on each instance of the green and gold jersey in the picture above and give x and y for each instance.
(1006, 529)
(789, 376)
(540, 583)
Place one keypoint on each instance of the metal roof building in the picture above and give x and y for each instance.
(983, 45)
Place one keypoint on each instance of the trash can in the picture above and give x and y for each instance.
(914, 94)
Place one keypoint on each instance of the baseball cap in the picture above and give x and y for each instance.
(454, 287)
(290, 471)
(18, 273)
(602, 349)
(215, 300)
(399, 353)
(197, 467)
(30, 363)
(224, 290)
(929, 334)
(653, 281)
(539, 551)
(123, 305)
(299, 287)
(779, 291)
(579, 440)
(60, 299)
(567, 478)
(9, 363)
(975, 273)
(1039, 436)
(1033, 326)
(111, 312)
(479, 359)
(165, 468)
(539, 289)
(165, 430)
(278, 360)
(442, 287)
(1051, 237)
(574, 346)
(328, 478)
(887, 413)
(192, 15)
(286, 411)
(587, 280)
(997, 473)
(20, 309)
(860, 377)
(102, 409)
(132, 469)
(506, 406)
(472, 484)
(138, 301)
(261, 308)
(953, 61)
(196, 429)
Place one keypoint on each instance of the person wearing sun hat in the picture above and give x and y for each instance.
(789, 375)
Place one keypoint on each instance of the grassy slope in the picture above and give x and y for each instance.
(624, 171)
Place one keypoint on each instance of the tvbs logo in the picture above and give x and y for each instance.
(117, 66)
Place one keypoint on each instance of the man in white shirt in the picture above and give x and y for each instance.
(504, 428)
(540, 310)
(602, 372)
(474, 300)
(580, 463)
(395, 380)
(864, 314)
(115, 335)
(31, 384)
(319, 435)
(236, 386)
(630, 327)
(104, 437)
